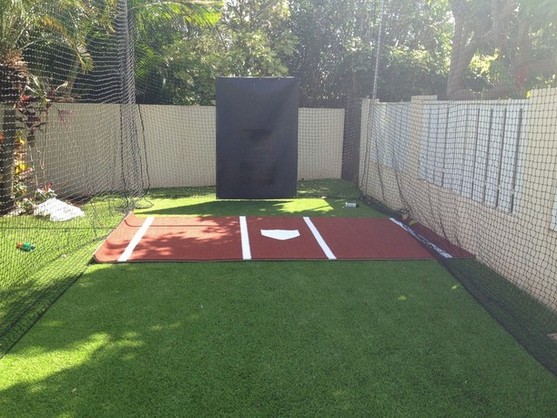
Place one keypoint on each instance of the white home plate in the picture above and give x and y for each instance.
(280, 234)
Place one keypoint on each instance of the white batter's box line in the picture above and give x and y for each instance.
(319, 238)
(422, 239)
(244, 236)
(136, 239)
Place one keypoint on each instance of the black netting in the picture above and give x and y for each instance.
(481, 174)
(95, 109)
(69, 149)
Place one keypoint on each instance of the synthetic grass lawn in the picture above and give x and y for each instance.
(271, 339)
(51, 239)
(315, 198)
(31, 281)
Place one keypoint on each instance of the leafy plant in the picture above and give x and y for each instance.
(27, 25)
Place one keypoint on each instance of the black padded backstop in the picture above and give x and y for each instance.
(257, 137)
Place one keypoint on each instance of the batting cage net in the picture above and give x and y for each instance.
(480, 174)
(69, 151)
(94, 122)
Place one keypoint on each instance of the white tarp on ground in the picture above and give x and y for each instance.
(58, 210)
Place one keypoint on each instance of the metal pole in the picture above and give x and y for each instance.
(378, 50)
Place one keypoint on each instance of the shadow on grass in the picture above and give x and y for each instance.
(268, 339)
(530, 322)
(301, 207)
(224, 208)
(31, 281)
(315, 198)
(325, 188)
(23, 301)
(24, 304)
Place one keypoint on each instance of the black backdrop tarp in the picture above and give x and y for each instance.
(257, 137)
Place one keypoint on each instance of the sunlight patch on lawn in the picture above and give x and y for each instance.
(318, 205)
(48, 363)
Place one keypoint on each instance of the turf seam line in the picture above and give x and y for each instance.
(319, 239)
(136, 239)
(421, 238)
(246, 250)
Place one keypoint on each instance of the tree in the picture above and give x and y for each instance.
(511, 44)
(161, 29)
(246, 38)
(256, 36)
(416, 43)
(328, 45)
(337, 50)
(334, 48)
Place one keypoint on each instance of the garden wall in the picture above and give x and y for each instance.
(483, 174)
(81, 153)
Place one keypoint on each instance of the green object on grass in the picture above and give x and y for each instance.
(25, 246)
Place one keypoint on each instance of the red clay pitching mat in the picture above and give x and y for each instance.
(181, 238)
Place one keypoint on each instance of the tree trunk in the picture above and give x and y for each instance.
(464, 46)
(7, 159)
(460, 49)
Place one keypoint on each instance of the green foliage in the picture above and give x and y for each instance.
(334, 52)
(331, 47)
(29, 25)
(338, 47)
(411, 72)
(182, 46)
(162, 64)
(328, 45)
(502, 48)
(21, 174)
(29, 28)
(249, 38)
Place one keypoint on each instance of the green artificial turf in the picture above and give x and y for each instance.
(315, 198)
(259, 338)
(51, 239)
(31, 281)
(271, 339)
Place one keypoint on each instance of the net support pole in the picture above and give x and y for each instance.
(378, 50)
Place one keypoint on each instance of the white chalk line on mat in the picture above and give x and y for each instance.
(319, 238)
(246, 249)
(136, 239)
(423, 239)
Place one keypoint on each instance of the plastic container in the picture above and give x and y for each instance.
(25, 246)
